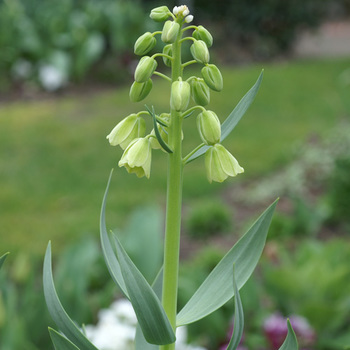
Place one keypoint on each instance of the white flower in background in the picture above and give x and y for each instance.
(22, 69)
(116, 329)
(51, 78)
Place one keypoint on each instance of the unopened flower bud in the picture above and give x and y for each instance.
(170, 31)
(145, 69)
(144, 44)
(137, 157)
(200, 91)
(189, 19)
(160, 14)
(209, 127)
(180, 95)
(212, 76)
(167, 50)
(139, 91)
(220, 164)
(200, 52)
(127, 130)
(203, 34)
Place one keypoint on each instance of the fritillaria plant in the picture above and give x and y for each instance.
(156, 306)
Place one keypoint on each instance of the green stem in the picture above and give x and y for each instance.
(162, 75)
(174, 204)
(193, 152)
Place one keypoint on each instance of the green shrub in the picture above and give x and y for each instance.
(208, 218)
(57, 41)
(322, 292)
(339, 191)
(266, 27)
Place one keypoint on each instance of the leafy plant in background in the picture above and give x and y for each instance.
(156, 306)
(322, 292)
(208, 218)
(55, 42)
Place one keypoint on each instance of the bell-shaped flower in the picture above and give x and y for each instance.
(209, 127)
(130, 128)
(137, 157)
(220, 164)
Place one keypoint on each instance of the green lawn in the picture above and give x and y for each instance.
(55, 159)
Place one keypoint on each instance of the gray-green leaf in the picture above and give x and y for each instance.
(150, 314)
(56, 310)
(140, 341)
(107, 250)
(290, 343)
(217, 289)
(235, 116)
(3, 258)
(238, 320)
(60, 342)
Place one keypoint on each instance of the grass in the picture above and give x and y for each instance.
(55, 159)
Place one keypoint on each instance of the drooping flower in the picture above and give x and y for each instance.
(220, 164)
(137, 157)
(130, 128)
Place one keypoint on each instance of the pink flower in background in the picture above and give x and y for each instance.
(275, 329)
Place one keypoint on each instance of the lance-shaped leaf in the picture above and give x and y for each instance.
(238, 320)
(140, 341)
(150, 314)
(217, 289)
(60, 342)
(56, 310)
(3, 258)
(107, 250)
(290, 343)
(235, 116)
(156, 131)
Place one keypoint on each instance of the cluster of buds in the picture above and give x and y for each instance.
(129, 134)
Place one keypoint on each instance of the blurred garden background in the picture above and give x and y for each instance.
(65, 72)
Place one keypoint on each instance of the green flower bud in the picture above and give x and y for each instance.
(145, 69)
(200, 52)
(180, 95)
(167, 50)
(144, 43)
(220, 164)
(170, 31)
(139, 91)
(212, 77)
(127, 130)
(203, 34)
(209, 127)
(160, 14)
(137, 157)
(200, 91)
